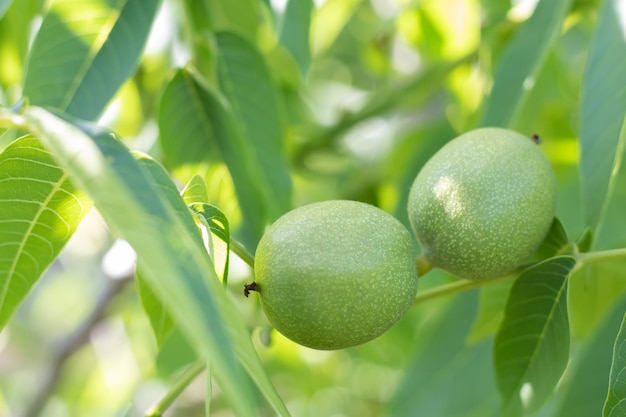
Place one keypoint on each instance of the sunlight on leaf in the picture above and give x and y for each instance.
(218, 226)
(174, 260)
(39, 211)
(82, 55)
(521, 62)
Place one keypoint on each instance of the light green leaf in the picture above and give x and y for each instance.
(196, 125)
(160, 320)
(615, 405)
(521, 61)
(39, 211)
(4, 5)
(175, 262)
(218, 226)
(602, 118)
(83, 54)
(294, 33)
(246, 83)
(532, 345)
(328, 22)
(195, 191)
(240, 16)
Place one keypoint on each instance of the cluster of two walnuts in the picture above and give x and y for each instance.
(339, 273)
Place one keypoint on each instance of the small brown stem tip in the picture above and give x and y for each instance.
(249, 287)
(535, 137)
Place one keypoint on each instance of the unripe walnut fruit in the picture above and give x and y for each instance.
(335, 274)
(483, 203)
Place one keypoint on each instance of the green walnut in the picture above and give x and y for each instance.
(483, 203)
(335, 274)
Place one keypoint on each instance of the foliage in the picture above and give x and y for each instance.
(190, 126)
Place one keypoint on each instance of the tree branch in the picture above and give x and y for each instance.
(72, 343)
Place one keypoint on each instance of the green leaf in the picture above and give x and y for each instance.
(294, 33)
(174, 260)
(444, 363)
(218, 225)
(196, 126)
(82, 55)
(39, 211)
(246, 83)
(493, 297)
(615, 405)
(521, 61)
(532, 345)
(490, 309)
(583, 390)
(555, 243)
(240, 16)
(584, 242)
(195, 191)
(160, 320)
(4, 6)
(602, 121)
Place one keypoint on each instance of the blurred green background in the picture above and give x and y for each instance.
(377, 88)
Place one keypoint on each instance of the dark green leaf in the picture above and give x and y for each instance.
(555, 243)
(174, 260)
(294, 34)
(521, 62)
(39, 211)
(246, 83)
(532, 345)
(196, 125)
(615, 405)
(83, 54)
(584, 242)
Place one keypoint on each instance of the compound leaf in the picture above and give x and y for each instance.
(175, 263)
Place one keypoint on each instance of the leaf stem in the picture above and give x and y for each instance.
(601, 256)
(12, 120)
(458, 286)
(242, 252)
(183, 382)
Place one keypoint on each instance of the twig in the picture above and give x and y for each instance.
(181, 383)
(72, 343)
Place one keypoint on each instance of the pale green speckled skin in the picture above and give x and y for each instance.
(483, 204)
(335, 274)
